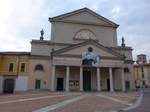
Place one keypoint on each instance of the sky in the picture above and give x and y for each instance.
(22, 20)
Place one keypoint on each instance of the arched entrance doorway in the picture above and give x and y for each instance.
(8, 86)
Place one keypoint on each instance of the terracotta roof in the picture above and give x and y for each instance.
(14, 53)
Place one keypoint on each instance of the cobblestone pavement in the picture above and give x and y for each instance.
(145, 104)
(66, 102)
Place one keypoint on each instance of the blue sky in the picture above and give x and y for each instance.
(21, 21)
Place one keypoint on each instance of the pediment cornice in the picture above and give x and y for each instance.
(88, 42)
(60, 18)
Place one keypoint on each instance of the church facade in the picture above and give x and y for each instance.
(82, 55)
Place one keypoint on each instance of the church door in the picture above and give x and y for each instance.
(127, 85)
(60, 84)
(87, 80)
(108, 84)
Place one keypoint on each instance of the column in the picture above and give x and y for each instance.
(53, 79)
(98, 79)
(111, 80)
(67, 78)
(123, 80)
(81, 78)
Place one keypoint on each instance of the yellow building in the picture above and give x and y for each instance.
(142, 75)
(14, 74)
(142, 71)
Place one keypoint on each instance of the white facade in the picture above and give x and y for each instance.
(21, 83)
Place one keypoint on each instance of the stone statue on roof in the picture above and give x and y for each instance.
(123, 42)
(42, 33)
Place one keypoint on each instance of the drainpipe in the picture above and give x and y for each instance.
(18, 65)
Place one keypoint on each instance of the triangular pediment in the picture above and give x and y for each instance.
(78, 49)
(85, 16)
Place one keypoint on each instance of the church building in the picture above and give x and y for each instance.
(82, 55)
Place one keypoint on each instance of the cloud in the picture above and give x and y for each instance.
(21, 21)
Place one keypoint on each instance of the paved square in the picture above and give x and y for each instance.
(66, 102)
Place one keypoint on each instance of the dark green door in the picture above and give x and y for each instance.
(9, 85)
(37, 84)
(127, 85)
(87, 80)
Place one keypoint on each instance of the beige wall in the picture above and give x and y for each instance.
(127, 53)
(65, 32)
(45, 49)
(138, 74)
(44, 76)
(117, 79)
(104, 77)
(75, 76)
(40, 49)
(147, 75)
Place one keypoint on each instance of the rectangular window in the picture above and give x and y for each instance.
(11, 67)
(22, 69)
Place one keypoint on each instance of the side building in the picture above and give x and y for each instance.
(142, 71)
(14, 71)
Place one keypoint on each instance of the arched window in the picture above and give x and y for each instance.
(39, 67)
(85, 34)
